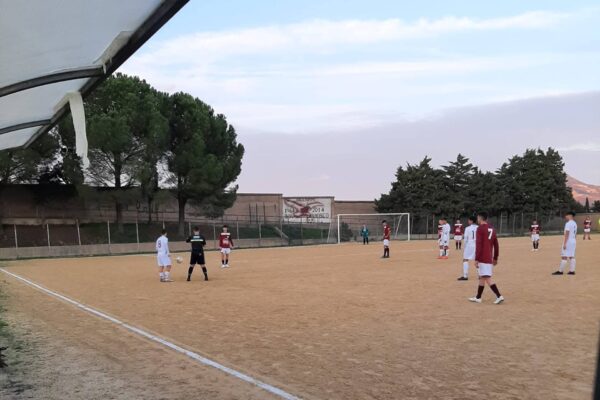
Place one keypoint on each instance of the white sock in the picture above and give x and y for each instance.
(441, 252)
(447, 252)
(466, 269)
(562, 266)
(162, 275)
(167, 275)
(572, 269)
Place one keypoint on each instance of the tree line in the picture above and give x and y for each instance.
(139, 138)
(534, 182)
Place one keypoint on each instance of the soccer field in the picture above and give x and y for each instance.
(333, 321)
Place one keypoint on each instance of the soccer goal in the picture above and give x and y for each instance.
(348, 227)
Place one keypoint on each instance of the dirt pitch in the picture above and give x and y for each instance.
(326, 322)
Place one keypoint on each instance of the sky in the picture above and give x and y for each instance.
(330, 97)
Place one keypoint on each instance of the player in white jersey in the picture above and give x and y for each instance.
(569, 245)
(469, 249)
(444, 238)
(163, 257)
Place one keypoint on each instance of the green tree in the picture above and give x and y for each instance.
(125, 128)
(458, 176)
(417, 189)
(596, 206)
(587, 205)
(204, 158)
(535, 182)
(25, 165)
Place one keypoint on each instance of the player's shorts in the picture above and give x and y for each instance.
(469, 253)
(163, 260)
(226, 250)
(444, 242)
(457, 237)
(485, 269)
(587, 230)
(535, 237)
(569, 251)
(386, 242)
(197, 258)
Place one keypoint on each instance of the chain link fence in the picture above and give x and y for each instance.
(36, 237)
(54, 237)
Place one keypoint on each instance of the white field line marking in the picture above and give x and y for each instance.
(197, 357)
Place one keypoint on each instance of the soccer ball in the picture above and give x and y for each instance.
(179, 260)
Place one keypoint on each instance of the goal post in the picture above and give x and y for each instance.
(348, 225)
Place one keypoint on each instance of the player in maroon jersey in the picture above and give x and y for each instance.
(534, 232)
(486, 256)
(587, 228)
(387, 232)
(459, 230)
(225, 244)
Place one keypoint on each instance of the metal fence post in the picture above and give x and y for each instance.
(48, 234)
(16, 241)
(301, 232)
(78, 232)
(259, 234)
(108, 230)
(237, 227)
(215, 235)
(137, 235)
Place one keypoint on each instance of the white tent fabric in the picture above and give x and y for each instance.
(52, 48)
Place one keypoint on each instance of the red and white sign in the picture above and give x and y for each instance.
(307, 209)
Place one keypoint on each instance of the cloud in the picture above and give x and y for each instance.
(320, 34)
(585, 146)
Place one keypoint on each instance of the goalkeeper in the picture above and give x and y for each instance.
(364, 233)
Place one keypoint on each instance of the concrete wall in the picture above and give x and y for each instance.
(353, 207)
(36, 204)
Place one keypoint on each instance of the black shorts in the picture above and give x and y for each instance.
(197, 258)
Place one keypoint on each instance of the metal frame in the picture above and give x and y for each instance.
(164, 12)
(370, 215)
(24, 125)
(78, 73)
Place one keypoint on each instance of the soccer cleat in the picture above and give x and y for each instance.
(571, 273)
(474, 300)
(557, 273)
(189, 279)
(463, 278)
(444, 257)
(168, 280)
(499, 300)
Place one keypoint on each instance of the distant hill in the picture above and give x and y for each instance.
(582, 190)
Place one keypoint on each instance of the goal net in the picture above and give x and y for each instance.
(347, 227)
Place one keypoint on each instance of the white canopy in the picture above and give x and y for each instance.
(52, 52)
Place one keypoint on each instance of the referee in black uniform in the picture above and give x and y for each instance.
(197, 257)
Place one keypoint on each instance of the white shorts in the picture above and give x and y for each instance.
(535, 237)
(587, 230)
(226, 250)
(569, 251)
(457, 237)
(163, 260)
(386, 242)
(485, 269)
(443, 242)
(469, 253)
